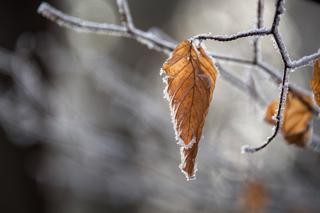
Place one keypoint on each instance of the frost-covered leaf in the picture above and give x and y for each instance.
(315, 82)
(190, 77)
(296, 119)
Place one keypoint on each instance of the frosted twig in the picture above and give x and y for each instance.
(279, 11)
(247, 87)
(155, 42)
(160, 44)
(282, 48)
(163, 45)
(283, 94)
(284, 84)
(254, 32)
(231, 59)
(304, 60)
(260, 7)
(125, 15)
(78, 24)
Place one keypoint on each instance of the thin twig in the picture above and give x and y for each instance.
(260, 10)
(259, 24)
(255, 32)
(282, 48)
(304, 60)
(245, 86)
(78, 24)
(278, 118)
(153, 40)
(284, 83)
(125, 15)
(279, 11)
(127, 29)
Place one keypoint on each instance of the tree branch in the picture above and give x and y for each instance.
(278, 118)
(254, 32)
(247, 87)
(78, 24)
(304, 60)
(259, 25)
(125, 15)
(127, 29)
(284, 82)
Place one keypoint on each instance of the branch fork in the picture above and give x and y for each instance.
(128, 29)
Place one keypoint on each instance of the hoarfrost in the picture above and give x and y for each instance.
(165, 94)
(182, 143)
(183, 165)
(78, 24)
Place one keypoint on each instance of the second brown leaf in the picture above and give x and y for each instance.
(296, 119)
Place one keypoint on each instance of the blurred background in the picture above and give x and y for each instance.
(84, 127)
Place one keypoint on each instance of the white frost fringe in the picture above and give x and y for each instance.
(183, 165)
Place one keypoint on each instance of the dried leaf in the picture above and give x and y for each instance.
(315, 82)
(296, 119)
(190, 77)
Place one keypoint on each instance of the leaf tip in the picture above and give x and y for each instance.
(188, 165)
(188, 176)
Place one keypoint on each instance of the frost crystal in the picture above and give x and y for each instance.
(181, 142)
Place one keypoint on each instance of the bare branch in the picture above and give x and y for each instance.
(78, 24)
(279, 11)
(260, 9)
(283, 95)
(305, 60)
(152, 40)
(247, 87)
(254, 32)
(282, 48)
(231, 59)
(284, 84)
(125, 15)
(160, 44)
(146, 38)
(259, 25)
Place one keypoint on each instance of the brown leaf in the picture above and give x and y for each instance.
(296, 119)
(190, 77)
(315, 82)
